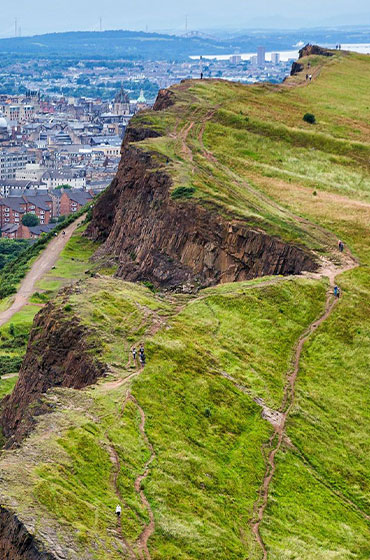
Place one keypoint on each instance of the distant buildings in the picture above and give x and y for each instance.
(72, 201)
(121, 105)
(275, 58)
(11, 160)
(235, 59)
(12, 209)
(20, 231)
(261, 56)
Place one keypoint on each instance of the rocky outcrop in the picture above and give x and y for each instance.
(296, 68)
(58, 355)
(172, 242)
(165, 99)
(309, 50)
(139, 133)
(16, 543)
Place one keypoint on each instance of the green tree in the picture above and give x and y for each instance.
(30, 220)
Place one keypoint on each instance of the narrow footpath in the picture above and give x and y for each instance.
(43, 264)
(278, 435)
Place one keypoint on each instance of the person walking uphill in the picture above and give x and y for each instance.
(340, 246)
(336, 291)
(142, 355)
(118, 511)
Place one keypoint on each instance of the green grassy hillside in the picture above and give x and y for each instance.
(185, 443)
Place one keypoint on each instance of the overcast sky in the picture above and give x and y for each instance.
(41, 16)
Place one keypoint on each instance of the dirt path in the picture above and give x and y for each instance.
(278, 435)
(142, 541)
(116, 470)
(41, 266)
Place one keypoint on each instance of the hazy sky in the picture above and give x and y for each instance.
(41, 16)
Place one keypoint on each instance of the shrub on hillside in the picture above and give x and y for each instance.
(183, 192)
(309, 118)
(10, 249)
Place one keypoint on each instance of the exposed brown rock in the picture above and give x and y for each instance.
(139, 133)
(309, 50)
(57, 356)
(165, 99)
(16, 543)
(172, 243)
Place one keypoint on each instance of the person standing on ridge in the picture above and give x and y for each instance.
(340, 246)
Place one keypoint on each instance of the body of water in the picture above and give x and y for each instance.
(363, 48)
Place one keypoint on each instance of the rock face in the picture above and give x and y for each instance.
(314, 49)
(165, 99)
(16, 543)
(172, 243)
(296, 68)
(57, 356)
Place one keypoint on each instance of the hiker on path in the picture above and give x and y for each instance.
(142, 355)
(118, 511)
(336, 291)
(340, 246)
(134, 354)
(64, 232)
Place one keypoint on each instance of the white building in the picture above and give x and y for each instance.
(52, 179)
(30, 172)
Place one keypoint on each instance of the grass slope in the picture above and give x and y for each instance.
(248, 152)
(206, 432)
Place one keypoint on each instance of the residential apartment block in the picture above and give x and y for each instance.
(13, 208)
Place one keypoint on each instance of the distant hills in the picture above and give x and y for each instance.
(138, 45)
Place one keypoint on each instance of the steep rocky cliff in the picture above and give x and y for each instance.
(176, 242)
(16, 543)
(58, 355)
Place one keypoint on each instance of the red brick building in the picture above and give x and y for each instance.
(14, 207)
(19, 231)
(72, 201)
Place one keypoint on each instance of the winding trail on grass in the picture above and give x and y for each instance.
(113, 455)
(278, 435)
(149, 529)
(142, 541)
(41, 266)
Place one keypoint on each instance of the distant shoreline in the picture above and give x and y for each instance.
(363, 48)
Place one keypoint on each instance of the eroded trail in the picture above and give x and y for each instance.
(142, 541)
(116, 470)
(278, 435)
(150, 527)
